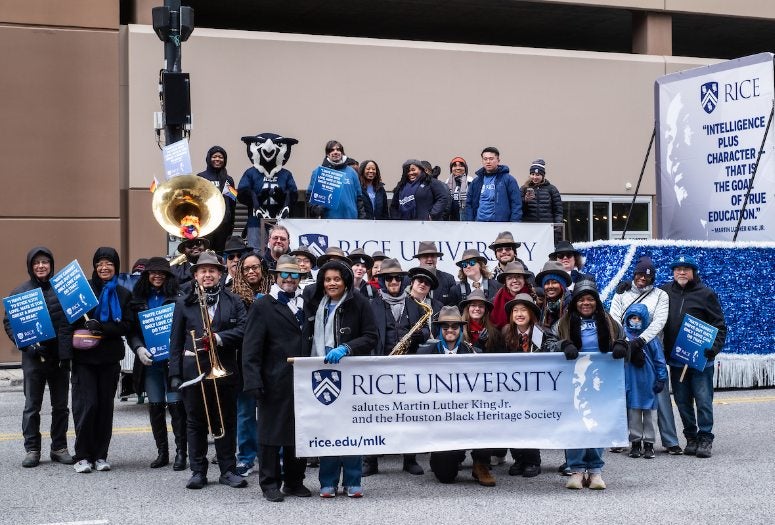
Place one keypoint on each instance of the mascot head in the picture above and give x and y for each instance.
(268, 152)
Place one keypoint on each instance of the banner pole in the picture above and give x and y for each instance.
(755, 169)
(642, 171)
(683, 373)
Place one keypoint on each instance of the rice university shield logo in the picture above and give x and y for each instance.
(317, 243)
(709, 96)
(326, 385)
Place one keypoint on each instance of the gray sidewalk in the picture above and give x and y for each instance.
(10, 378)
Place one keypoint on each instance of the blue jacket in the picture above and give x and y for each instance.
(639, 382)
(349, 206)
(508, 198)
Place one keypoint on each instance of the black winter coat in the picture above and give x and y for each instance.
(228, 323)
(432, 199)
(111, 347)
(462, 289)
(353, 323)
(272, 335)
(545, 207)
(52, 348)
(380, 210)
(445, 292)
(383, 319)
(699, 301)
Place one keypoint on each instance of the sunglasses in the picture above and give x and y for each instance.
(292, 275)
(449, 326)
(232, 255)
(389, 278)
(565, 256)
(470, 263)
(423, 280)
(194, 244)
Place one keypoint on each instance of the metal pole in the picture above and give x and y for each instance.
(753, 175)
(172, 62)
(642, 171)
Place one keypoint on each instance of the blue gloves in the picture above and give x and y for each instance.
(659, 386)
(336, 354)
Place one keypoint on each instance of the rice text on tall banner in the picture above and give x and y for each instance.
(399, 239)
(710, 125)
(425, 403)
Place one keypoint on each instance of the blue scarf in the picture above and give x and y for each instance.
(109, 309)
(285, 298)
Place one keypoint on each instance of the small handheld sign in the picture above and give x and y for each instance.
(327, 188)
(177, 159)
(693, 338)
(73, 290)
(156, 325)
(29, 317)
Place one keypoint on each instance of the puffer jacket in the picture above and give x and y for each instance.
(656, 301)
(545, 207)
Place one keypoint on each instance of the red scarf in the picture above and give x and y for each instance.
(498, 314)
(475, 327)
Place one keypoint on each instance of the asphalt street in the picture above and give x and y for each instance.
(734, 486)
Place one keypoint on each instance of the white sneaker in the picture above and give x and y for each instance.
(83, 467)
(101, 465)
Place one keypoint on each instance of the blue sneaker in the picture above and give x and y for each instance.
(355, 492)
(328, 492)
(244, 469)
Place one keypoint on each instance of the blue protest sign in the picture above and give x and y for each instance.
(156, 325)
(73, 290)
(177, 159)
(693, 338)
(29, 318)
(327, 188)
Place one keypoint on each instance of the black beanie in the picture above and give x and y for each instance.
(539, 166)
(645, 266)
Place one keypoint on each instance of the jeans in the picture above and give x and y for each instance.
(330, 466)
(695, 390)
(665, 419)
(247, 431)
(156, 384)
(581, 459)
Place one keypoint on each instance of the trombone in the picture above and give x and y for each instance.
(216, 369)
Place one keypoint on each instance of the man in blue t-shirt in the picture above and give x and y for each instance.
(494, 195)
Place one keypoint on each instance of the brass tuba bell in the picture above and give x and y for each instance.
(188, 206)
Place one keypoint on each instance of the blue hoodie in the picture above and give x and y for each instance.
(508, 198)
(639, 382)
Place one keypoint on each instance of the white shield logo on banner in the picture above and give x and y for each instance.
(709, 96)
(326, 385)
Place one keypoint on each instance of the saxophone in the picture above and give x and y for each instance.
(402, 346)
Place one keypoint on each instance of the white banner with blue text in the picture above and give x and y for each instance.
(424, 403)
(399, 239)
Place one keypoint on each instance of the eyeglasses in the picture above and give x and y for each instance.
(389, 278)
(292, 275)
(471, 263)
(255, 268)
(503, 249)
(278, 238)
(423, 280)
(449, 326)
(565, 256)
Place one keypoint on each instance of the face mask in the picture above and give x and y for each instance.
(634, 324)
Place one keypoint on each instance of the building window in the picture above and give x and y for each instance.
(601, 218)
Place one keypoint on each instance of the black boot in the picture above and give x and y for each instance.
(411, 466)
(178, 414)
(159, 428)
(370, 466)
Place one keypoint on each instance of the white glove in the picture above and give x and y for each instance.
(145, 356)
(261, 213)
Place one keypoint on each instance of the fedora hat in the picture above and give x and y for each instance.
(449, 314)
(476, 295)
(523, 298)
(286, 263)
(556, 270)
(333, 252)
(158, 264)
(359, 256)
(425, 270)
(563, 247)
(235, 244)
(505, 239)
(513, 268)
(391, 267)
(471, 253)
(378, 256)
(208, 258)
(205, 242)
(427, 248)
(305, 251)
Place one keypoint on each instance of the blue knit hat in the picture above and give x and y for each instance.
(685, 260)
(538, 166)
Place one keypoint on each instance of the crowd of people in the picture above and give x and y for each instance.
(245, 311)
(268, 190)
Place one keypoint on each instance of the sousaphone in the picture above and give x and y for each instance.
(188, 206)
